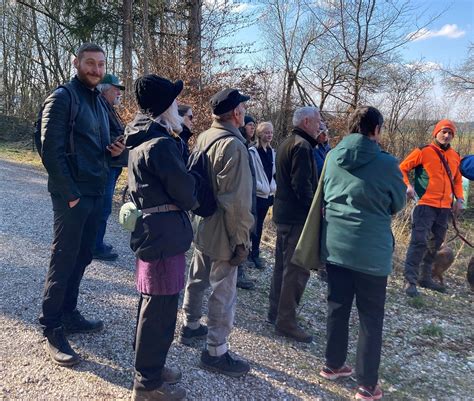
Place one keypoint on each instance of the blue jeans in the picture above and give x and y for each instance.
(112, 177)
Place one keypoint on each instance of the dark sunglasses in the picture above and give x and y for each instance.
(190, 117)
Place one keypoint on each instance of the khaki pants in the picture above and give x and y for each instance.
(222, 278)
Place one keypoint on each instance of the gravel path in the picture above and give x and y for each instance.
(108, 292)
(415, 365)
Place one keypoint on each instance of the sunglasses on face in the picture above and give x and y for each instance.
(190, 116)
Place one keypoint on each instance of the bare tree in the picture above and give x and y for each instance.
(404, 89)
(127, 38)
(291, 34)
(461, 78)
(366, 31)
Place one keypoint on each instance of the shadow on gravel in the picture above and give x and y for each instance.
(296, 383)
(120, 376)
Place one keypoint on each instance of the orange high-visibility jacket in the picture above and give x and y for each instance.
(431, 179)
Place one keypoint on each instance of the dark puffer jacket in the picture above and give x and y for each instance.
(157, 175)
(85, 172)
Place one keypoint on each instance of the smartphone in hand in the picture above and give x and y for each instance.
(120, 138)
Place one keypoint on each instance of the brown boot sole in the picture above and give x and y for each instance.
(306, 340)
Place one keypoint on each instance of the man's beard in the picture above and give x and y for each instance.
(89, 80)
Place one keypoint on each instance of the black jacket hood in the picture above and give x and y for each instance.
(138, 131)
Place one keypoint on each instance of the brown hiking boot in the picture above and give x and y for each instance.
(295, 333)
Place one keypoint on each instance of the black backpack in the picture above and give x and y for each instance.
(199, 164)
(74, 110)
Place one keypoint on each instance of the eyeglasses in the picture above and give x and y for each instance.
(190, 116)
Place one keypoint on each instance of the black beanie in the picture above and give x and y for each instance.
(155, 94)
(249, 119)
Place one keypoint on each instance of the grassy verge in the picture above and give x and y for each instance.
(20, 152)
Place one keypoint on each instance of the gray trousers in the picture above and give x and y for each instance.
(289, 280)
(222, 278)
(428, 231)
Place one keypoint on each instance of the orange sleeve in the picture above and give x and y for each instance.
(411, 161)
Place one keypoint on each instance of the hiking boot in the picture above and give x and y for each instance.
(171, 375)
(431, 285)
(297, 334)
(369, 393)
(333, 374)
(243, 281)
(258, 262)
(224, 364)
(411, 291)
(163, 393)
(187, 335)
(74, 322)
(58, 347)
(106, 254)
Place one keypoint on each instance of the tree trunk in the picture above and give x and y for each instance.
(146, 39)
(194, 43)
(127, 69)
(40, 52)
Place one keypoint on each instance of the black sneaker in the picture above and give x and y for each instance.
(104, 255)
(431, 285)
(74, 322)
(163, 393)
(58, 347)
(224, 364)
(187, 335)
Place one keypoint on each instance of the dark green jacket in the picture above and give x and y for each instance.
(363, 188)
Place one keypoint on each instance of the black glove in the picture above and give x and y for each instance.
(240, 254)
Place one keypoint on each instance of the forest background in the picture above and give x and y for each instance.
(335, 54)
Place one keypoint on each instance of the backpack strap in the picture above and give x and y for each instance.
(206, 149)
(451, 180)
(445, 164)
(73, 112)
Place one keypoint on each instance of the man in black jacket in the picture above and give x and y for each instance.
(110, 90)
(76, 180)
(296, 178)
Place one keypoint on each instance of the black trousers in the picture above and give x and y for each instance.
(156, 323)
(428, 231)
(75, 230)
(369, 291)
(262, 209)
